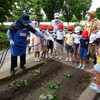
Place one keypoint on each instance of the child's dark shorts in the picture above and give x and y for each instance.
(76, 46)
(83, 53)
(68, 48)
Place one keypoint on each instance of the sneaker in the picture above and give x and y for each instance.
(51, 56)
(42, 58)
(35, 59)
(94, 87)
(92, 70)
(66, 59)
(57, 57)
(46, 56)
(70, 59)
(93, 83)
(60, 57)
(79, 66)
(38, 59)
(83, 67)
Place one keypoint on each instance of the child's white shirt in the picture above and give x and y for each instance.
(60, 35)
(77, 38)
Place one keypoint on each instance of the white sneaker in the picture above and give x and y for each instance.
(35, 59)
(70, 59)
(79, 66)
(93, 83)
(66, 59)
(60, 57)
(94, 87)
(83, 67)
(57, 57)
(51, 56)
(46, 56)
(38, 59)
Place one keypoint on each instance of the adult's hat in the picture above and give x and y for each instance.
(92, 38)
(91, 13)
(77, 29)
(70, 28)
(98, 34)
(50, 27)
(56, 15)
(25, 19)
(85, 34)
(60, 26)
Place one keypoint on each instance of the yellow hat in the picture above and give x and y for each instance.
(91, 13)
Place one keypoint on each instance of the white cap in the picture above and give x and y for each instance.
(77, 29)
(92, 38)
(56, 15)
(98, 34)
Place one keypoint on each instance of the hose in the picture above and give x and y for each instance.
(4, 53)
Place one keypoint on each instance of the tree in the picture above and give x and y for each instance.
(52, 6)
(23, 6)
(67, 10)
(37, 9)
(98, 13)
(80, 7)
(5, 9)
(77, 8)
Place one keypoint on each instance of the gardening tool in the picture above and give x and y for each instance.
(4, 53)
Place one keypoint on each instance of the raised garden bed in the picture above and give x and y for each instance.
(50, 79)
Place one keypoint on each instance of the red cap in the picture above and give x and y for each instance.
(70, 28)
(43, 27)
(85, 34)
(60, 26)
(50, 28)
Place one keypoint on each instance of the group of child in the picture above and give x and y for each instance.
(76, 43)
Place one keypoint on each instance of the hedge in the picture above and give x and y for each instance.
(4, 42)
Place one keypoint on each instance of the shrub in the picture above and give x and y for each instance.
(4, 42)
(4, 28)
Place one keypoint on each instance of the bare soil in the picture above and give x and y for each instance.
(71, 88)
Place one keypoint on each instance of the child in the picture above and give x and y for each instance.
(37, 47)
(96, 41)
(51, 36)
(83, 49)
(43, 29)
(60, 38)
(69, 43)
(77, 37)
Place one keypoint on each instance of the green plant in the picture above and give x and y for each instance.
(47, 96)
(4, 42)
(55, 86)
(45, 63)
(17, 83)
(67, 75)
(35, 72)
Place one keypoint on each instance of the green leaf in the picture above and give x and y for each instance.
(55, 98)
(50, 96)
(10, 84)
(58, 83)
(24, 82)
(42, 96)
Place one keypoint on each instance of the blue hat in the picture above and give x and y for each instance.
(25, 19)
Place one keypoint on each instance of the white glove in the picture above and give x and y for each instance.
(11, 42)
(45, 37)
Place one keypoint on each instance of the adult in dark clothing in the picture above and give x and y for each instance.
(17, 34)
